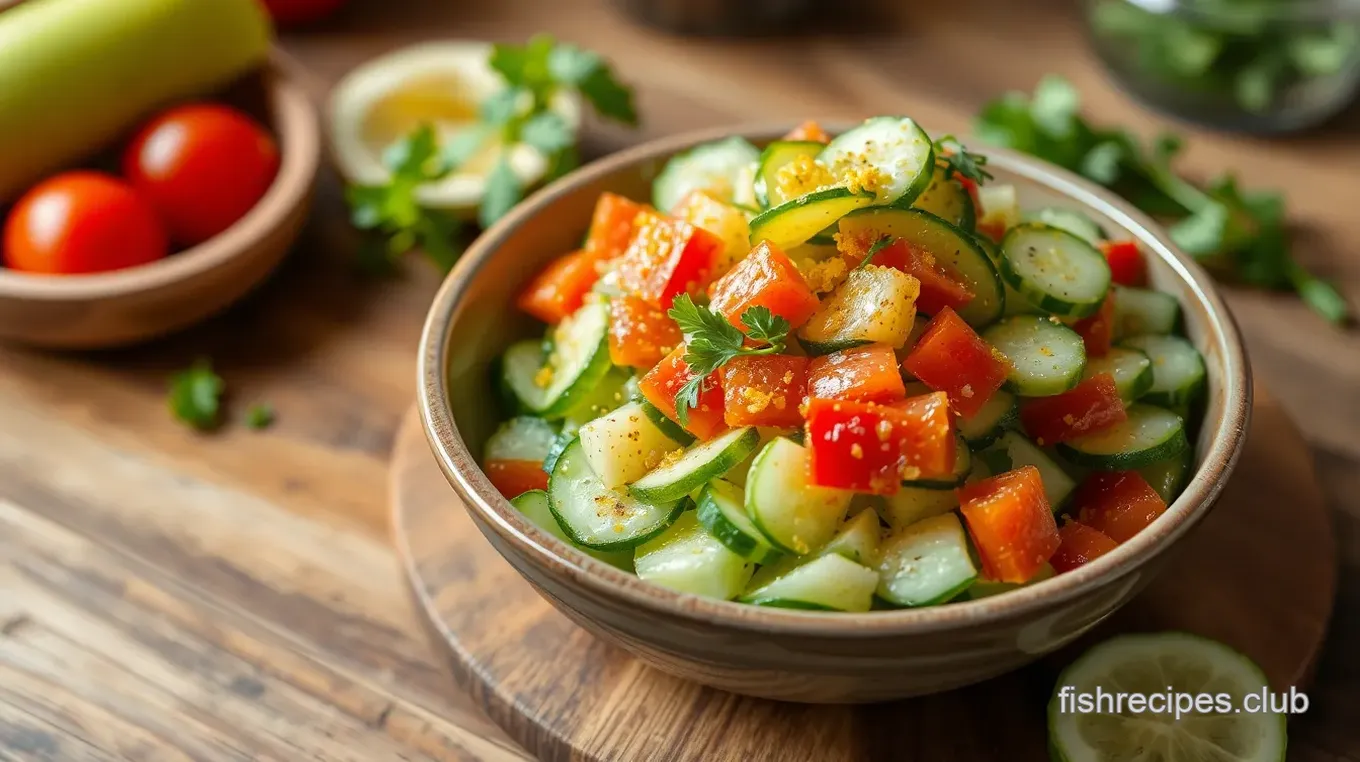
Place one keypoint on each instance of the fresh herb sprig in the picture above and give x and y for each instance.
(956, 159)
(1240, 234)
(712, 341)
(196, 396)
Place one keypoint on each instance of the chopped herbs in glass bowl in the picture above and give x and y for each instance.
(1253, 65)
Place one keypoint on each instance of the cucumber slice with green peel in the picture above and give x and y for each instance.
(801, 219)
(1046, 357)
(1178, 373)
(687, 558)
(890, 156)
(857, 539)
(564, 438)
(873, 306)
(1148, 435)
(1158, 664)
(722, 511)
(550, 387)
(521, 438)
(1139, 311)
(624, 445)
(829, 582)
(769, 189)
(963, 465)
(1169, 476)
(1022, 452)
(1131, 369)
(948, 200)
(926, 563)
(597, 517)
(715, 167)
(701, 463)
(956, 249)
(535, 506)
(1057, 271)
(825, 238)
(987, 424)
(795, 516)
(1073, 221)
(1017, 304)
(986, 588)
(909, 505)
(607, 395)
(663, 422)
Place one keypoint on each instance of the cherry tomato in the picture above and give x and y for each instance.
(294, 12)
(202, 167)
(82, 222)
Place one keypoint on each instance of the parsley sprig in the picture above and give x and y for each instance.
(712, 341)
(1239, 234)
(196, 395)
(956, 159)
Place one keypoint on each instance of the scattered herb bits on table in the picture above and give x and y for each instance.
(844, 374)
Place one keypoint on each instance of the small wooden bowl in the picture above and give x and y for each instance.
(138, 303)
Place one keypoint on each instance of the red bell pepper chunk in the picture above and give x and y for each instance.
(1097, 331)
(513, 478)
(1011, 524)
(663, 382)
(1127, 267)
(640, 334)
(612, 225)
(1079, 545)
(1091, 405)
(766, 278)
(667, 257)
(864, 374)
(952, 358)
(808, 130)
(1118, 503)
(764, 390)
(867, 447)
(560, 288)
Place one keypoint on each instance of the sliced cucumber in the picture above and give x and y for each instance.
(986, 588)
(909, 505)
(1178, 373)
(1148, 435)
(564, 438)
(956, 249)
(926, 563)
(796, 517)
(1022, 452)
(1138, 311)
(607, 395)
(671, 428)
(1046, 357)
(597, 517)
(1169, 476)
(1131, 369)
(1059, 272)
(857, 539)
(963, 465)
(622, 446)
(948, 200)
(830, 582)
(687, 558)
(521, 438)
(1073, 221)
(550, 387)
(892, 157)
(873, 306)
(535, 506)
(715, 167)
(799, 220)
(698, 465)
(722, 511)
(986, 425)
(769, 189)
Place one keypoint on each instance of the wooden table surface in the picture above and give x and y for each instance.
(166, 595)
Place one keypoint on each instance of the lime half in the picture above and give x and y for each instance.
(1087, 722)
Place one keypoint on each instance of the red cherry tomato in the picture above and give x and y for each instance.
(294, 12)
(202, 167)
(82, 222)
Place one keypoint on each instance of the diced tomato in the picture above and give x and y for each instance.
(1127, 267)
(766, 278)
(1118, 503)
(667, 257)
(952, 358)
(1079, 545)
(864, 374)
(640, 334)
(1091, 405)
(867, 447)
(940, 286)
(764, 390)
(663, 382)
(513, 478)
(808, 130)
(972, 189)
(1011, 524)
(1097, 331)
(612, 225)
(561, 287)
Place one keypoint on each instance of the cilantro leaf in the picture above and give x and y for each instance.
(611, 98)
(260, 415)
(503, 191)
(572, 65)
(763, 325)
(957, 160)
(548, 132)
(711, 341)
(196, 395)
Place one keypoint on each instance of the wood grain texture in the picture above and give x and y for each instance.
(282, 534)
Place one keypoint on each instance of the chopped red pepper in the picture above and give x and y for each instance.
(640, 334)
(867, 447)
(1079, 545)
(1127, 267)
(1097, 331)
(766, 278)
(764, 390)
(952, 358)
(612, 225)
(1011, 524)
(664, 380)
(513, 478)
(560, 288)
(1091, 405)
(808, 130)
(864, 374)
(1119, 503)
(667, 257)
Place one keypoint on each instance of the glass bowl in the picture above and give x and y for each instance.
(1252, 65)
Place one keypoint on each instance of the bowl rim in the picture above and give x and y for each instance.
(298, 130)
(494, 513)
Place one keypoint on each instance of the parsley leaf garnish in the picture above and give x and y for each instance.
(260, 415)
(196, 396)
(712, 341)
(956, 159)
